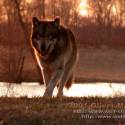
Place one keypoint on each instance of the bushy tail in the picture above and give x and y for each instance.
(69, 82)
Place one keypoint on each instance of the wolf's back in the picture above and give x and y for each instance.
(73, 59)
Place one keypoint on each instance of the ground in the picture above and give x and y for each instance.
(102, 64)
(62, 111)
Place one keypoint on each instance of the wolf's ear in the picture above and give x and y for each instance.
(57, 22)
(35, 22)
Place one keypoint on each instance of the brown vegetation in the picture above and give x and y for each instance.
(64, 111)
(101, 29)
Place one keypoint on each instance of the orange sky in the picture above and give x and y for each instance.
(82, 8)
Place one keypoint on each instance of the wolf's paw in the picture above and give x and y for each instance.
(60, 94)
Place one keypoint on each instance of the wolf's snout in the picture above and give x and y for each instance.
(43, 48)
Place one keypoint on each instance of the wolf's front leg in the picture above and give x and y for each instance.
(55, 78)
(46, 77)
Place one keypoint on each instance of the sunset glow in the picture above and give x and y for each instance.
(28, 1)
(114, 10)
(83, 8)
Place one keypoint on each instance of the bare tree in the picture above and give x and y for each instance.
(102, 11)
(103, 17)
(15, 62)
(38, 8)
(119, 8)
(66, 10)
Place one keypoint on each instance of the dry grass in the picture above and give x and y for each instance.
(62, 111)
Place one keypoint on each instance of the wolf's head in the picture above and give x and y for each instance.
(45, 34)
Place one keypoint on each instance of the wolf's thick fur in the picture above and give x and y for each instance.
(56, 52)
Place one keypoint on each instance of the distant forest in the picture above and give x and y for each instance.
(102, 26)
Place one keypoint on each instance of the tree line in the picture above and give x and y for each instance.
(95, 29)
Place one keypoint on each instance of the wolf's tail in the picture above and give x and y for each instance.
(69, 82)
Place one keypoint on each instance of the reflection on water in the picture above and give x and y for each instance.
(77, 90)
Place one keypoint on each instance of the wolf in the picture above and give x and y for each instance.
(56, 52)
